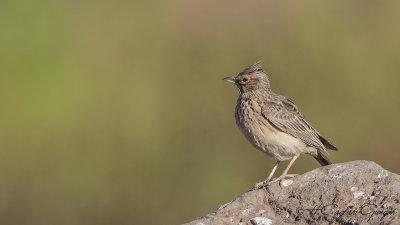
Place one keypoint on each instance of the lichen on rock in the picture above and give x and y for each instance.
(358, 192)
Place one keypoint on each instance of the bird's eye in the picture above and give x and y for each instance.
(245, 79)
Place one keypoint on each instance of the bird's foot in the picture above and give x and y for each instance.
(280, 179)
(291, 175)
(261, 184)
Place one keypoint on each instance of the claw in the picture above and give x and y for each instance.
(281, 182)
(260, 185)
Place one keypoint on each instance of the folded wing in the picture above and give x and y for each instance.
(285, 116)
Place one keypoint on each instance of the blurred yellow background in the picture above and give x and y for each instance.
(114, 112)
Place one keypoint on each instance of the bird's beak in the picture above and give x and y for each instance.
(229, 79)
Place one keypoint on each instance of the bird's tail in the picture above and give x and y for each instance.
(323, 160)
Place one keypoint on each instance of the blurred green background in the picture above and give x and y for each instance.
(114, 112)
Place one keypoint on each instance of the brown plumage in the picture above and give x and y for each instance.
(273, 123)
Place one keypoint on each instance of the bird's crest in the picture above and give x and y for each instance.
(255, 67)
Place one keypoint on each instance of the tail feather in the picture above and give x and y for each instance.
(323, 160)
(327, 144)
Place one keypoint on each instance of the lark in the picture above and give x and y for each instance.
(273, 123)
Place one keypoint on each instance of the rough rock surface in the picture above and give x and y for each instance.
(358, 192)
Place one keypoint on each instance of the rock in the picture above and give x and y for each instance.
(358, 192)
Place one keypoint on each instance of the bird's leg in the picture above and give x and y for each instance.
(272, 172)
(284, 174)
(260, 184)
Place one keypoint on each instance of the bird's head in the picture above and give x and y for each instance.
(250, 79)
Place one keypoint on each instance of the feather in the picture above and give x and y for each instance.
(284, 115)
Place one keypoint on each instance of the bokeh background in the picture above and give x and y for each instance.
(114, 112)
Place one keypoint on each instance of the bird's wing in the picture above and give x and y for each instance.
(285, 116)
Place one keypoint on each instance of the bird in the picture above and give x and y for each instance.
(273, 123)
